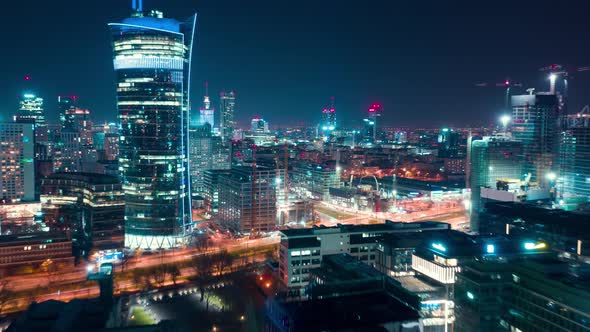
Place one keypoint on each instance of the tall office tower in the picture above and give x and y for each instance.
(221, 153)
(227, 108)
(259, 126)
(449, 143)
(535, 123)
(328, 124)
(30, 110)
(491, 158)
(246, 207)
(200, 156)
(574, 161)
(371, 127)
(17, 170)
(152, 58)
(207, 113)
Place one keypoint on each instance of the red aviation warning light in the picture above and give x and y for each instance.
(27, 78)
(325, 110)
(332, 110)
(375, 108)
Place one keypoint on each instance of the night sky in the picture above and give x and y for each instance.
(420, 59)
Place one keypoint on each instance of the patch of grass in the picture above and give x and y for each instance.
(140, 317)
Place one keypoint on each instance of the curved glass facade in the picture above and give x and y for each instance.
(151, 57)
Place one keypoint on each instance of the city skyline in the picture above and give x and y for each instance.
(414, 53)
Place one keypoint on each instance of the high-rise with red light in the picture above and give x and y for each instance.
(328, 124)
(371, 123)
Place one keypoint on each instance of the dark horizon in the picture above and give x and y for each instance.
(420, 60)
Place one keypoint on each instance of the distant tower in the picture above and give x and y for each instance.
(30, 110)
(227, 123)
(207, 114)
(328, 124)
(371, 123)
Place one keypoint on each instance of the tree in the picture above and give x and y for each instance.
(158, 273)
(222, 261)
(203, 266)
(5, 294)
(173, 272)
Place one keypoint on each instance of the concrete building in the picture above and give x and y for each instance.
(302, 249)
(248, 204)
(17, 168)
(211, 189)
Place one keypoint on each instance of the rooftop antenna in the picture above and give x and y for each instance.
(206, 88)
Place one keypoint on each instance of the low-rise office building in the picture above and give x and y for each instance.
(34, 249)
(302, 249)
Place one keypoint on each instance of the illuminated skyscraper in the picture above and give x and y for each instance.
(328, 124)
(258, 126)
(17, 170)
(227, 107)
(30, 110)
(200, 155)
(152, 58)
(535, 124)
(491, 158)
(207, 113)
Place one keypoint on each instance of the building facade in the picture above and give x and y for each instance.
(200, 156)
(88, 206)
(227, 109)
(302, 249)
(152, 58)
(17, 168)
(248, 204)
(535, 123)
(491, 158)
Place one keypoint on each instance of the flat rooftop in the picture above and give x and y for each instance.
(362, 312)
(90, 178)
(350, 228)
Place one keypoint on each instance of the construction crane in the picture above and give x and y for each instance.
(507, 84)
(557, 70)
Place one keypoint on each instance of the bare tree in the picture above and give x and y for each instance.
(203, 266)
(158, 273)
(222, 261)
(174, 272)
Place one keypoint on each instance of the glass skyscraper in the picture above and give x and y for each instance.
(535, 123)
(491, 158)
(152, 57)
(227, 110)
